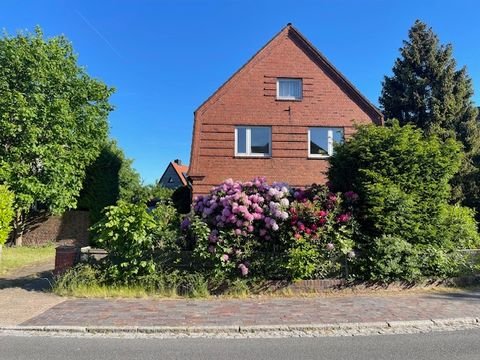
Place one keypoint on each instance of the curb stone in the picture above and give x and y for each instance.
(410, 323)
(299, 330)
(446, 322)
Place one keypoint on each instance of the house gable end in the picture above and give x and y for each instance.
(291, 33)
(250, 98)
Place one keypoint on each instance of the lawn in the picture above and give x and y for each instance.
(16, 257)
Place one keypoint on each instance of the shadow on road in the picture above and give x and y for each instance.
(472, 294)
(40, 282)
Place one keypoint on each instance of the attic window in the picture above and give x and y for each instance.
(289, 89)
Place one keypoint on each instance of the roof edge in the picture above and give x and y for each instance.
(337, 72)
(242, 67)
(290, 28)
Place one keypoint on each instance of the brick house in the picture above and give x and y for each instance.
(278, 116)
(174, 175)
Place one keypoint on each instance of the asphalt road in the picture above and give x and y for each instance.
(456, 345)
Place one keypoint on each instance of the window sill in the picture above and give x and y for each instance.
(294, 100)
(319, 157)
(252, 156)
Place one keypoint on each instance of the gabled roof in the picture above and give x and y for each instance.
(180, 170)
(316, 56)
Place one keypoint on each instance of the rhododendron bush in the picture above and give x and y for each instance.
(245, 220)
(320, 233)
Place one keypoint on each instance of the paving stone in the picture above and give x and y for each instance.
(262, 311)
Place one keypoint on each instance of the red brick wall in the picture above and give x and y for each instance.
(70, 228)
(65, 258)
(249, 98)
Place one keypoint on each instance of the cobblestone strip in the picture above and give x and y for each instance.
(259, 311)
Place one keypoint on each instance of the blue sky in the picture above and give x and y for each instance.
(166, 57)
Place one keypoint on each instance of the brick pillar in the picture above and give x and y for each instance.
(65, 258)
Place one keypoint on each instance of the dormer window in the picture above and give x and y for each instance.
(289, 89)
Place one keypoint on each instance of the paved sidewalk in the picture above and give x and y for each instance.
(262, 311)
(22, 294)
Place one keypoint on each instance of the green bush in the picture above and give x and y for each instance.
(166, 226)
(402, 179)
(303, 257)
(127, 233)
(6, 213)
(157, 194)
(459, 228)
(392, 258)
(135, 238)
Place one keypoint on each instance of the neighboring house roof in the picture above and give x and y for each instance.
(179, 169)
(317, 56)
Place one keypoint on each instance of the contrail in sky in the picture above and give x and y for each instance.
(90, 25)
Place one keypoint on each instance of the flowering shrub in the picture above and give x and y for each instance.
(320, 232)
(241, 214)
(308, 229)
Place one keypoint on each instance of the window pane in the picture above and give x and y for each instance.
(290, 88)
(241, 140)
(283, 91)
(319, 141)
(295, 88)
(260, 140)
(337, 135)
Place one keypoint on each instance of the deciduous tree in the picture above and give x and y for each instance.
(53, 120)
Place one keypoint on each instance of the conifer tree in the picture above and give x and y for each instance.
(427, 90)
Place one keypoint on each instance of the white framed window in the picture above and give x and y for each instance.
(289, 89)
(321, 141)
(253, 141)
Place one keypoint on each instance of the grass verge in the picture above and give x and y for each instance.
(114, 291)
(14, 258)
(86, 281)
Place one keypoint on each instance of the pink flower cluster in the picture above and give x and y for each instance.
(245, 216)
(242, 210)
(316, 207)
(248, 208)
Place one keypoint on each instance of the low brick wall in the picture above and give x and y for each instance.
(300, 286)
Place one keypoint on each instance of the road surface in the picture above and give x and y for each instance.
(456, 345)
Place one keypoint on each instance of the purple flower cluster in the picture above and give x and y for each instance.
(244, 208)
(243, 217)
